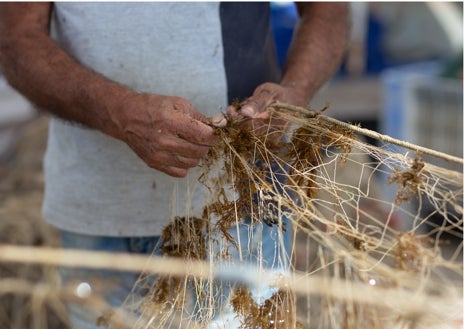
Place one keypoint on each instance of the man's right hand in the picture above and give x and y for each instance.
(165, 131)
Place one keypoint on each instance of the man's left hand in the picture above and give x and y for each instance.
(255, 113)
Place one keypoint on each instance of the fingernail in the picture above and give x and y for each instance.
(248, 111)
(219, 121)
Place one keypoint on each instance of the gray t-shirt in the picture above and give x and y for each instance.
(208, 53)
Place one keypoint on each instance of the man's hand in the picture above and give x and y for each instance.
(166, 132)
(264, 95)
(319, 42)
(256, 107)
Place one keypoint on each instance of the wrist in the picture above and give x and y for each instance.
(300, 92)
(118, 111)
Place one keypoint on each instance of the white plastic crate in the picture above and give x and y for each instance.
(433, 116)
(424, 109)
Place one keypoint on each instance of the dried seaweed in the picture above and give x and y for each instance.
(408, 181)
(277, 312)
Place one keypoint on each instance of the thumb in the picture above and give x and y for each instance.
(255, 106)
(218, 121)
(194, 114)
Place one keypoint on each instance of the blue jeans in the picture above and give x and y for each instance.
(114, 286)
(260, 245)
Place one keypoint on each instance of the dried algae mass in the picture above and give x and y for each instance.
(376, 235)
(347, 232)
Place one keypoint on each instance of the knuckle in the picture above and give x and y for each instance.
(266, 87)
(180, 103)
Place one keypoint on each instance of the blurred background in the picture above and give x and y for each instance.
(402, 75)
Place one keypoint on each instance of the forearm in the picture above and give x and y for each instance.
(50, 78)
(318, 45)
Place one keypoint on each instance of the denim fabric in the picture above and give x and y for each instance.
(265, 245)
(261, 247)
(114, 286)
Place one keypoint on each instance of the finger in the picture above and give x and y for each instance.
(172, 159)
(180, 161)
(195, 131)
(174, 171)
(181, 147)
(253, 110)
(235, 116)
(173, 164)
(255, 106)
(192, 125)
(232, 112)
(196, 115)
(218, 121)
